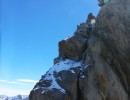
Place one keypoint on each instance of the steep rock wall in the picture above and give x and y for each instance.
(103, 69)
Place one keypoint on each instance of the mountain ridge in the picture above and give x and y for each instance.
(103, 52)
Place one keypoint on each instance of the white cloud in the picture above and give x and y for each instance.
(19, 86)
(12, 82)
(3, 81)
(19, 81)
(27, 80)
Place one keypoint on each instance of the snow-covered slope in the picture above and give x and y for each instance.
(64, 65)
(60, 78)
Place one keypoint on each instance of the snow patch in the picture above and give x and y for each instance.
(83, 76)
(72, 71)
(61, 66)
(68, 37)
(38, 87)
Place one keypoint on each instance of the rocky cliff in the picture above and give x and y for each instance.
(92, 65)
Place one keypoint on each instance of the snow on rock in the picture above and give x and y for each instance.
(64, 65)
(67, 37)
(72, 71)
(83, 76)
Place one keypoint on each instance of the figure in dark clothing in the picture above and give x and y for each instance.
(91, 21)
(102, 2)
(90, 18)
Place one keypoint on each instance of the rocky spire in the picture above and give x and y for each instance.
(92, 66)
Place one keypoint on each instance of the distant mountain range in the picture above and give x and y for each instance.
(18, 97)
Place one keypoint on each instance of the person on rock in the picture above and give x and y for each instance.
(102, 2)
(91, 21)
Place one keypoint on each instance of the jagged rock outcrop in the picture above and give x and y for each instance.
(102, 70)
(72, 48)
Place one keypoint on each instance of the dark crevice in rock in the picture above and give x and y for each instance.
(79, 91)
(102, 95)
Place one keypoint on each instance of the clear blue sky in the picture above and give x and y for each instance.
(30, 31)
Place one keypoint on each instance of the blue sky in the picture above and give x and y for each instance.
(30, 32)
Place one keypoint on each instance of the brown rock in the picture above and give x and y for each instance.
(105, 71)
(72, 48)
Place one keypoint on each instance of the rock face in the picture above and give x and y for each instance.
(99, 68)
(72, 48)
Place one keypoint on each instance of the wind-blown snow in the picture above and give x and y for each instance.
(61, 66)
